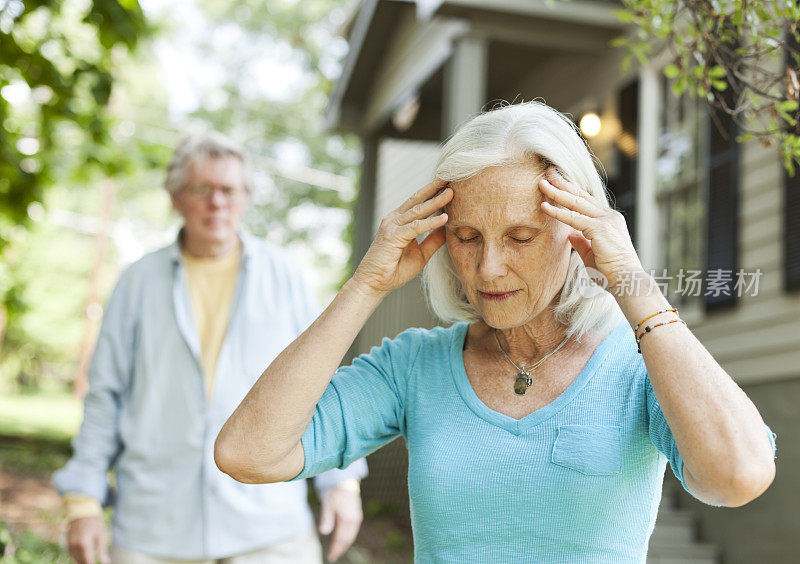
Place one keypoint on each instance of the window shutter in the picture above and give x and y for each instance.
(623, 186)
(722, 250)
(792, 232)
(791, 208)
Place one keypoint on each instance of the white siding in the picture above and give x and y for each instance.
(403, 168)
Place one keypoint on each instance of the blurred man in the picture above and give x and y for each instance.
(187, 331)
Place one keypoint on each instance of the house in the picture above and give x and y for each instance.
(717, 221)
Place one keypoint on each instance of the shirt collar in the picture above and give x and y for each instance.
(248, 242)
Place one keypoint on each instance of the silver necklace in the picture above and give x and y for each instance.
(523, 379)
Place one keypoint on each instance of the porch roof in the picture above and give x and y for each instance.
(399, 47)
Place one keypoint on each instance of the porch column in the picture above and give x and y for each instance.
(647, 228)
(465, 77)
(365, 203)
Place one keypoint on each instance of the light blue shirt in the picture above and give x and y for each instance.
(578, 480)
(146, 414)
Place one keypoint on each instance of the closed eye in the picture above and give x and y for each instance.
(466, 239)
(521, 240)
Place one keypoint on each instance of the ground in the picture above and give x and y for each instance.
(31, 519)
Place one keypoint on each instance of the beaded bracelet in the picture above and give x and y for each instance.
(650, 328)
(635, 329)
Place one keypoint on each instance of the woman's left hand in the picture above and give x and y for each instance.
(602, 239)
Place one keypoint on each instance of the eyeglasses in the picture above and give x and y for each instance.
(206, 191)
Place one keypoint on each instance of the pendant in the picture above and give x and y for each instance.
(522, 382)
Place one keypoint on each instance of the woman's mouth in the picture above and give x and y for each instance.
(497, 296)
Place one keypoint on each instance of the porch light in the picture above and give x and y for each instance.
(590, 124)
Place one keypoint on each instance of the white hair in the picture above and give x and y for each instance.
(198, 147)
(535, 133)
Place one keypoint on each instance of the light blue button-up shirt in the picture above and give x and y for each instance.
(147, 416)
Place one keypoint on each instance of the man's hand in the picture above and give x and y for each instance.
(87, 540)
(341, 513)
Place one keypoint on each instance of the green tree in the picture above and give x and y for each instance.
(57, 66)
(741, 56)
(307, 174)
(301, 167)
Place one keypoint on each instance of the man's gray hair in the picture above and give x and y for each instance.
(534, 133)
(198, 147)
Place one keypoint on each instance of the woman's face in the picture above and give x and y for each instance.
(511, 257)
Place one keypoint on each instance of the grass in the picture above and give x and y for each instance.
(51, 416)
(27, 548)
(35, 430)
(32, 456)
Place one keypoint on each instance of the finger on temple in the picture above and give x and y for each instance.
(571, 187)
(570, 217)
(424, 225)
(570, 200)
(432, 242)
(427, 207)
(423, 194)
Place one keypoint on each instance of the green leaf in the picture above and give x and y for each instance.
(678, 87)
(625, 16)
(716, 71)
(626, 62)
(641, 56)
(671, 70)
(738, 16)
(618, 41)
(788, 118)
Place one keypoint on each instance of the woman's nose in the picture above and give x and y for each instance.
(492, 262)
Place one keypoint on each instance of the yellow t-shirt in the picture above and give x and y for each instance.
(212, 283)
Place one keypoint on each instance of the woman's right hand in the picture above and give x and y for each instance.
(395, 257)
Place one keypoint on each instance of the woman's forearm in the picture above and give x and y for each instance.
(719, 432)
(260, 442)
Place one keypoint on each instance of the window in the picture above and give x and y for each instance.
(680, 182)
(697, 193)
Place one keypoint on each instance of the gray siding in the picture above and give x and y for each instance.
(760, 339)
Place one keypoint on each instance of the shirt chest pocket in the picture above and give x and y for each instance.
(595, 450)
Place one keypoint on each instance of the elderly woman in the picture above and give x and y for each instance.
(537, 429)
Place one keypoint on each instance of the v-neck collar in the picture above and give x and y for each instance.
(519, 426)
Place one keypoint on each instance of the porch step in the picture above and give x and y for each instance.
(674, 538)
(674, 526)
(693, 553)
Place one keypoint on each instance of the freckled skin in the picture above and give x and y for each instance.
(491, 210)
(487, 213)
